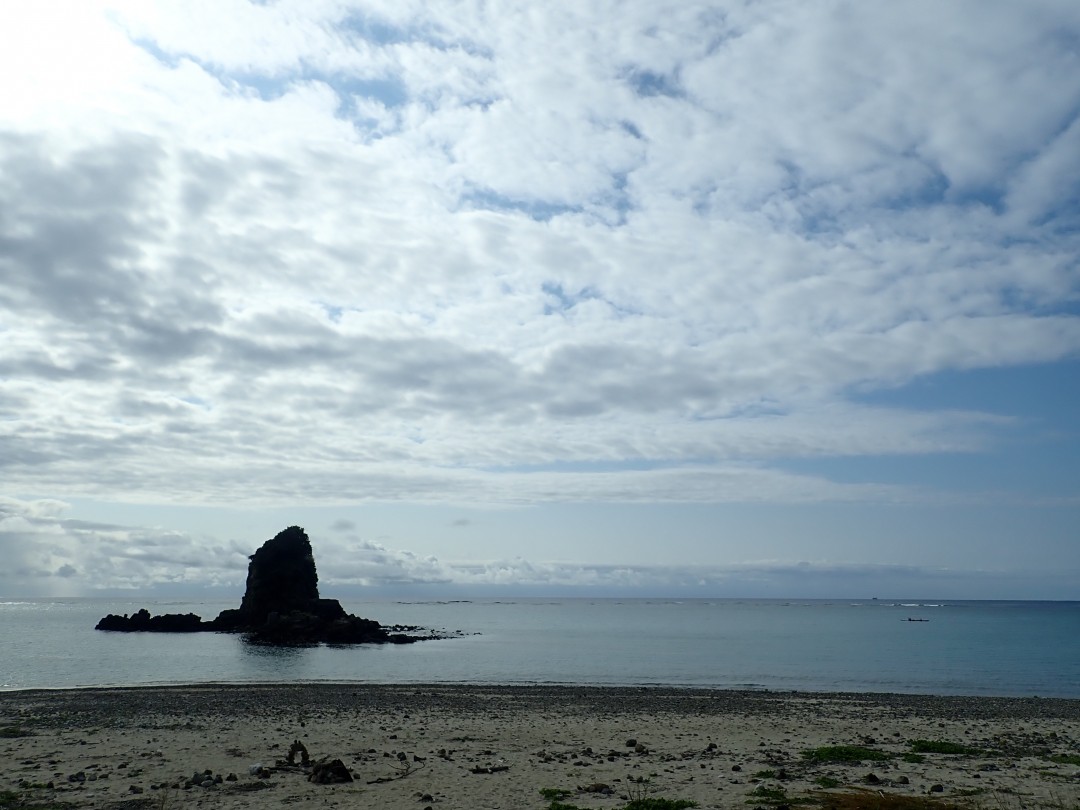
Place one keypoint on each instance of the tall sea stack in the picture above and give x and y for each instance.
(281, 581)
(281, 576)
(281, 605)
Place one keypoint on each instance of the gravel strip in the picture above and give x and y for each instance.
(106, 706)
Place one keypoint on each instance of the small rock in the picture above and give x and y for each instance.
(329, 772)
(631, 743)
(597, 787)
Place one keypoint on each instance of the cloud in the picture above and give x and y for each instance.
(319, 253)
(49, 554)
(371, 564)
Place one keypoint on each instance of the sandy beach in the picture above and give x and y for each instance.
(525, 747)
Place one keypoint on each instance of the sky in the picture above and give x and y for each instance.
(723, 299)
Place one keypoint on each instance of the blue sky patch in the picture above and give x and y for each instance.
(647, 83)
(541, 211)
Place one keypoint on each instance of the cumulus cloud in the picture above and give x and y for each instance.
(324, 252)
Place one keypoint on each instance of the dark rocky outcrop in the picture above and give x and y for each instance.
(329, 772)
(281, 605)
(142, 621)
(281, 578)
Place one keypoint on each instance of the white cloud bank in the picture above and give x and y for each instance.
(332, 252)
(269, 250)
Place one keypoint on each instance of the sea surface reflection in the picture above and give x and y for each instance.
(263, 661)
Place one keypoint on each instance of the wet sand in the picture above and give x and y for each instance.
(498, 747)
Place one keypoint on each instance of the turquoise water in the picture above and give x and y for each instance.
(967, 648)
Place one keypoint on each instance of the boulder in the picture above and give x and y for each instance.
(329, 772)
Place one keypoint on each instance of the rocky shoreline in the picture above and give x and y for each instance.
(467, 746)
(102, 705)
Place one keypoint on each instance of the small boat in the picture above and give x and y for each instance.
(917, 620)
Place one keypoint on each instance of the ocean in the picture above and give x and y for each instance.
(957, 648)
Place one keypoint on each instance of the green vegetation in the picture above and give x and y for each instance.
(827, 782)
(660, 804)
(776, 796)
(770, 795)
(910, 757)
(765, 775)
(1065, 759)
(873, 800)
(556, 796)
(10, 732)
(10, 800)
(844, 753)
(652, 803)
(941, 747)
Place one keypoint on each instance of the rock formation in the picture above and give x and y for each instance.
(143, 621)
(281, 605)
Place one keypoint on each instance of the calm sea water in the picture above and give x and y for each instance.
(967, 648)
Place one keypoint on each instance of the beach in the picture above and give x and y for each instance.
(439, 746)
